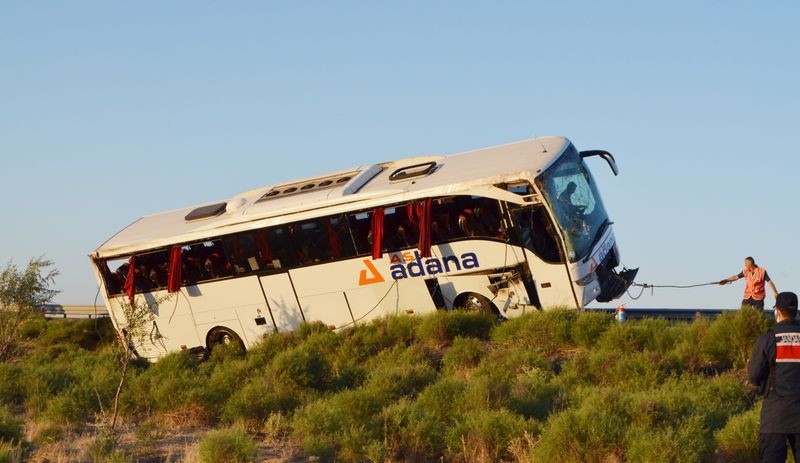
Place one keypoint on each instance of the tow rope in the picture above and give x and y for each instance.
(652, 288)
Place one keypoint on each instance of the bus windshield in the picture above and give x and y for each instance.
(570, 190)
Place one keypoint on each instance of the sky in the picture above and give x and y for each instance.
(114, 110)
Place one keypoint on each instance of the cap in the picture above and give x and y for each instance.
(786, 300)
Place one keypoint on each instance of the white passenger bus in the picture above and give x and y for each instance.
(505, 230)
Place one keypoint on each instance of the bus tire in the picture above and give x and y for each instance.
(474, 302)
(222, 336)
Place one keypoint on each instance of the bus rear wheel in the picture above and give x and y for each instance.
(222, 336)
(474, 302)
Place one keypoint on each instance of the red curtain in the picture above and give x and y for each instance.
(174, 282)
(130, 280)
(424, 214)
(263, 246)
(377, 233)
(333, 237)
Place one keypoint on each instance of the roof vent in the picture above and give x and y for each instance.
(205, 212)
(417, 170)
(307, 186)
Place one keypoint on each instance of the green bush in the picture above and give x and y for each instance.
(548, 331)
(305, 365)
(486, 434)
(10, 425)
(402, 371)
(465, 353)
(11, 386)
(492, 382)
(738, 440)
(345, 426)
(254, 402)
(442, 327)
(227, 446)
(418, 429)
(10, 453)
(589, 327)
(33, 327)
(689, 441)
(730, 338)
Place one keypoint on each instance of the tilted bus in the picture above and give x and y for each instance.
(505, 229)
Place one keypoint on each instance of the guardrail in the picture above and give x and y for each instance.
(669, 314)
(74, 311)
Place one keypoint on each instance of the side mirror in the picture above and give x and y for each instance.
(605, 155)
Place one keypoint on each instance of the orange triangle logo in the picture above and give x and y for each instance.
(375, 276)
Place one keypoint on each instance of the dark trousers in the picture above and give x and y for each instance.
(753, 303)
(772, 447)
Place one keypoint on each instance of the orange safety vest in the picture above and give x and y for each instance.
(755, 284)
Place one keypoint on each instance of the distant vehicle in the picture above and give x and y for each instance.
(503, 230)
(52, 310)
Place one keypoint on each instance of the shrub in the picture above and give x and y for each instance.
(344, 426)
(442, 327)
(738, 440)
(402, 371)
(588, 327)
(10, 453)
(257, 400)
(364, 341)
(485, 435)
(33, 327)
(491, 383)
(88, 334)
(227, 445)
(465, 353)
(548, 331)
(594, 431)
(687, 441)
(730, 338)
(418, 429)
(11, 386)
(305, 365)
(10, 425)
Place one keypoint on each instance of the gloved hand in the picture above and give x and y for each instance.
(723, 282)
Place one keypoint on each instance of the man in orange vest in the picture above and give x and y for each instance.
(756, 278)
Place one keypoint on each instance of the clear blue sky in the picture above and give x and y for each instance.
(114, 110)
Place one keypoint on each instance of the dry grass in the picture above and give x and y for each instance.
(72, 448)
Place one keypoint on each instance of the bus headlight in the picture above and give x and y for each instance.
(587, 279)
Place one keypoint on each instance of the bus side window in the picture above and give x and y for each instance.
(205, 261)
(342, 242)
(535, 231)
(282, 247)
(360, 228)
(243, 253)
(114, 273)
(152, 270)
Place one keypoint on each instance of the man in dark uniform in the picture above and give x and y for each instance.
(775, 369)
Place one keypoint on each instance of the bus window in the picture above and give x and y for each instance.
(535, 231)
(114, 273)
(151, 271)
(342, 242)
(282, 246)
(205, 261)
(243, 253)
(461, 217)
(361, 230)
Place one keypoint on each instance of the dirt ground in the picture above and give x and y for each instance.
(179, 447)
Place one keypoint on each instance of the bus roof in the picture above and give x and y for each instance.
(359, 188)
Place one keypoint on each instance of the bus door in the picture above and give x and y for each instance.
(535, 232)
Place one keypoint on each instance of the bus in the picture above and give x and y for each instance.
(504, 230)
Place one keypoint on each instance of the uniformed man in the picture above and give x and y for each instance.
(775, 369)
(756, 279)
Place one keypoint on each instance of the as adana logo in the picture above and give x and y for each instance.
(408, 265)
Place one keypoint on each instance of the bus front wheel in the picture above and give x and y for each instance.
(474, 302)
(222, 336)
